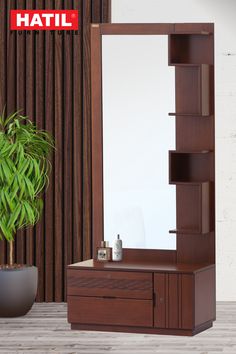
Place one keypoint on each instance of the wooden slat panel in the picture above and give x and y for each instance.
(20, 104)
(160, 300)
(39, 120)
(58, 182)
(187, 301)
(86, 13)
(77, 142)
(11, 75)
(173, 302)
(3, 63)
(48, 76)
(67, 151)
(49, 197)
(30, 107)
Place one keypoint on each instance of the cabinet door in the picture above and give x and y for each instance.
(160, 300)
(174, 301)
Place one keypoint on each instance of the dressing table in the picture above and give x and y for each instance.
(152, 181)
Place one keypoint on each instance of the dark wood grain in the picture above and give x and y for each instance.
(205, 296)
(30, 111)
(39, 120)
(97, 160)
(44, 73)
(141, 266)
(130, 285)
(86, 185)
(107, 311)
(191, 169)
(49, 197)
(10, 79)
(173, 301)
(180, 301)
(187, 301)
(3, 87)
(68, 147)
(58, 183)
(146, 330)
(160, 300)
(137, 28)
(77, 137)
(20, 103)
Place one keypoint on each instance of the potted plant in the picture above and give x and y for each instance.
(24, 171)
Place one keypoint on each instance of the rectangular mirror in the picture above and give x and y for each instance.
(138, 89)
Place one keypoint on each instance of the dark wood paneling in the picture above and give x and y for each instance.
(160, 300)
(47, 75)
(173, 301)
(187, 301)
(129, 285)
(110, 311)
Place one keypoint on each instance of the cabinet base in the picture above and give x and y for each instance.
(126, 329)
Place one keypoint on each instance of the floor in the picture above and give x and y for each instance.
(45, 330)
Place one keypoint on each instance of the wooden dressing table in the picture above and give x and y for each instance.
(158, 291)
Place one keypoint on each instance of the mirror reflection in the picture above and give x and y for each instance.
(138, 93)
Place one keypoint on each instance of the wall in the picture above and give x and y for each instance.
(47, 75)
(222, 13)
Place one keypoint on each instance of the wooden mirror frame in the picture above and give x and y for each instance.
(191, 51)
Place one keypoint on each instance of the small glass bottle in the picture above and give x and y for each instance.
(117, 250)
(104, 252)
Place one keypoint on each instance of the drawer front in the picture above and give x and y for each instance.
(120, 312)
(108, 283)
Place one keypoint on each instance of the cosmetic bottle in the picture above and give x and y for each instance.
(117, 250)
(104, 252)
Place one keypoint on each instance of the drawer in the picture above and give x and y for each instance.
(108, 311)
(131, 285)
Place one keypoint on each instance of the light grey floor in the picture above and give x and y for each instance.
(45, 330)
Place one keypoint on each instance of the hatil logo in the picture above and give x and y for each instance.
(44, 20)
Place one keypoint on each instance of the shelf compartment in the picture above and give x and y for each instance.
(193, 213)
(193, 94)
(190, 166)
(190, 48)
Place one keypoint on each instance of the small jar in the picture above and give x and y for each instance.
(104, 252)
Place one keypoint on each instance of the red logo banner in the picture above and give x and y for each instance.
(44, 20)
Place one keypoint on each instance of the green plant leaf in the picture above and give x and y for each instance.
(24, 172)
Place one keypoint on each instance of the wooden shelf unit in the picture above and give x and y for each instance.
(159, 291)
(189, 166)
(190, 48)
(194, 84)
(194, 215)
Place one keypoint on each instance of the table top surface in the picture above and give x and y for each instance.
(141, 266)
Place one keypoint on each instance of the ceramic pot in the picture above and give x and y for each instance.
(18, 288)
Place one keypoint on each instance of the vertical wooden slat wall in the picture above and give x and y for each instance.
(47, 75)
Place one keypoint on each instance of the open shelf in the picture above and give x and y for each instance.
(189, 166)
(191, 48)
(194, 215)
(193, 95)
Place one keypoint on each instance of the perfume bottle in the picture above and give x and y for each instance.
(104, 252)
(117, 250)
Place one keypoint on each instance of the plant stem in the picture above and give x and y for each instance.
(11, 252)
